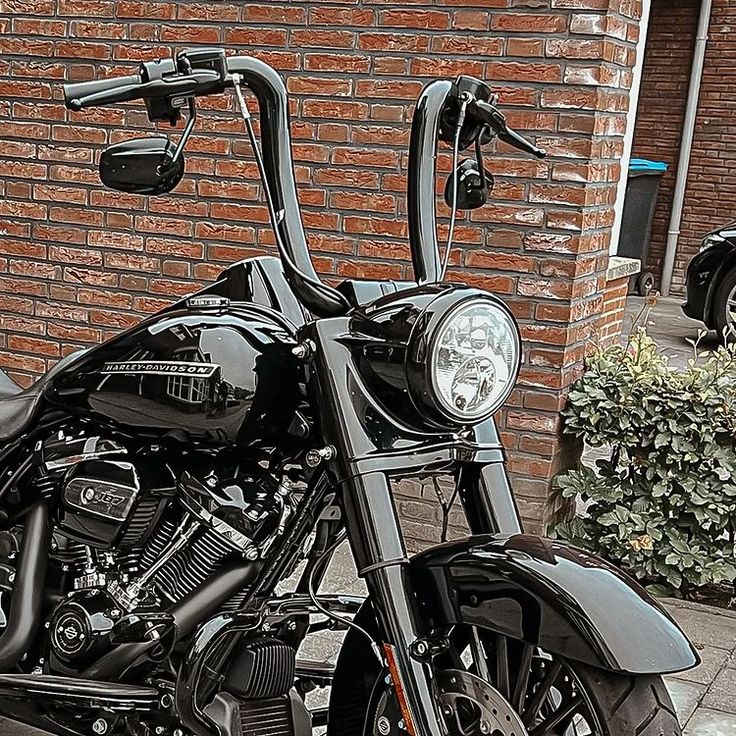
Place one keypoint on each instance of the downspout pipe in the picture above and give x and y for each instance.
(686, 145)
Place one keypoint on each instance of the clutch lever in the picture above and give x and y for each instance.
(166, 87)
(494, 118)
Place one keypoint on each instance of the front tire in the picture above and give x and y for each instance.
(724, 307)
(537, 693)
(640, 706)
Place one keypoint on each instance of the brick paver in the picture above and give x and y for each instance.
(705, 697)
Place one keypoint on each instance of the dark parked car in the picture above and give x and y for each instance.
(711, 281)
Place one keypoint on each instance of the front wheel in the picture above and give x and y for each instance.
(724, 307)
(490, 685)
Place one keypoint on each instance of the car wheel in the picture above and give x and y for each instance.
(724, 307)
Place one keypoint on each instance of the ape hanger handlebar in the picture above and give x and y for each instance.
(463, 111)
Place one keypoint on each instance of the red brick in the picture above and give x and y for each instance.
(419, 19)
(365, 157)
(208, 12)
(329, 16)
(473, 20)
(529, 22)
(393, 42)
(385, 89)
(26, 47)
(319, 86)
(273, 14)
(347, 63)
(465, 45)
(83, 50)
(22, 170)
(86, 8)
(147, 10)
(322, 39)
(29, 7)
(39, 27)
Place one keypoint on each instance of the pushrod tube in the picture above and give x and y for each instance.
(425, 252)
(273, 105)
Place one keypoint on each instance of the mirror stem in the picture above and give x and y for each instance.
(187, 130)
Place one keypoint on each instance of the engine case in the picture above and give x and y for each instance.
(80, 627)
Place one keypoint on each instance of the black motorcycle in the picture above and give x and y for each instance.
(157, 488)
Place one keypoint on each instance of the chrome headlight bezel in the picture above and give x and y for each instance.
(422, 353)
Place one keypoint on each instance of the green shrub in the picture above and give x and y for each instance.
(662, 503)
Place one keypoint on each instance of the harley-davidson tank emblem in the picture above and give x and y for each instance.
(161, 368)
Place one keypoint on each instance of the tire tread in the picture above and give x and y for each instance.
(640, 706)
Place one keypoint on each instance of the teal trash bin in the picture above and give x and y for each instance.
(640, 203)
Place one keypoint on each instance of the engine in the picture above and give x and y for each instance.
(135, 534)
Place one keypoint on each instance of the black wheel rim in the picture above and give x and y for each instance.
(541, 688)
(731, 310)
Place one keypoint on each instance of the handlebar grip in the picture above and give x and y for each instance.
(73, 93)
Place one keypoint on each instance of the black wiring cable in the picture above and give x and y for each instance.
(455, 187)
(277, 217)
(322, 609)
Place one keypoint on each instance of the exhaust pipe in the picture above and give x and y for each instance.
(198, 606)
(25, 606)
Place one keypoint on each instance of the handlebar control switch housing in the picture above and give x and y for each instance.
(160, 109)
(205, 59)
(477, 89)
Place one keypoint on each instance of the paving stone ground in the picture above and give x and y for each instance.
(705, 697)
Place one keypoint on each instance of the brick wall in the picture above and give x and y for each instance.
(78, 263)
(709, 199)
(614, 310)
(664, 86)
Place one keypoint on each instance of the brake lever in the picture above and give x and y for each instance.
(518, 141)
(495, 119)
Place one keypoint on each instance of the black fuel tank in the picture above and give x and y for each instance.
(207, 370)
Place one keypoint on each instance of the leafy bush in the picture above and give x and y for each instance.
(663, 501)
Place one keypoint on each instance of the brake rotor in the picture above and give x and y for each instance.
(471, 707)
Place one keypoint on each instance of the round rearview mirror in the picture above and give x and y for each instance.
(473, 185)
(142, 166)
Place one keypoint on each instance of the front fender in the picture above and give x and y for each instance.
(544, 592)
(560, 598)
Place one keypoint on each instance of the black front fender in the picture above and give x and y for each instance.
(560, 598)
(551, 595)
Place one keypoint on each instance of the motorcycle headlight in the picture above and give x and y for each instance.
(464, 360)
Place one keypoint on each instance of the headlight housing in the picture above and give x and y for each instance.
(710, 240)
(464, 358)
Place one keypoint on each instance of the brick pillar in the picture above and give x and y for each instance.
(547, 233)
(78, 263)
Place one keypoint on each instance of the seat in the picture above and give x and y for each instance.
(19, 407)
